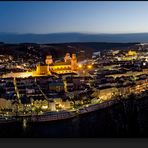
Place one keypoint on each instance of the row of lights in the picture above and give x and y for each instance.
(88, 66)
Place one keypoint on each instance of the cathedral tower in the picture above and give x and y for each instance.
(49, 60)
(74, 62)
(67, 57)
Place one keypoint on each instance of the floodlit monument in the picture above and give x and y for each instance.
(131, 53)
(68, 66)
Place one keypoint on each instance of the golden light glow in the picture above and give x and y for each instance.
(131, 53)
(18, 75)
(26, 74)
(46, 69)
(62, 106)
(89, 66)
(44, 107)
(80, 65)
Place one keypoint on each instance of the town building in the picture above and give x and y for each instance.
(69, 65)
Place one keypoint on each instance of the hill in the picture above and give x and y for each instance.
(72, 37)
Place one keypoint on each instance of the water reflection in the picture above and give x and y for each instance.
(121, 120)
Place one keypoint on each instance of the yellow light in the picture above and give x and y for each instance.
(80, 65)
(89, 66)
(44, 107)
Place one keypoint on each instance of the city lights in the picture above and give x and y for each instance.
(44, 107)
(80, 65)
(60, 90)
(89, 66)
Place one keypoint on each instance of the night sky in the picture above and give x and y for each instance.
(83, 17)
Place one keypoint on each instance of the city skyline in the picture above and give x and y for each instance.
(80, 17)
(73, 69)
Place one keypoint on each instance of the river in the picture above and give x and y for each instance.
(125, 119)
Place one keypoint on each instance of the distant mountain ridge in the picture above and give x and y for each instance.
(72, 37)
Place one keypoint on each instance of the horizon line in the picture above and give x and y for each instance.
(83, 33)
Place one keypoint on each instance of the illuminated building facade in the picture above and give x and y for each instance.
(67, 58)
(68, 66)
(49, 60)
(74, 62)
(131, 53)
(42, 70)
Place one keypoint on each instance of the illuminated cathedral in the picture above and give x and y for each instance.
(69, 65)
(131, 53)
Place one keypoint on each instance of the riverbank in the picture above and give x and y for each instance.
(127, 118)
(59, 115)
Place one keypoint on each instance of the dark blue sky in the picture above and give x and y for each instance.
(84, 17)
